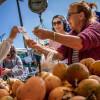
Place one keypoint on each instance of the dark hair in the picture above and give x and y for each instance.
(65, 24)
(12, 50)
(85, 7)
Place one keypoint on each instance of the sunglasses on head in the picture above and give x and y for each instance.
(57, 22)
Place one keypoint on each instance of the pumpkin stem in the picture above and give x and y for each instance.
(91, 96)
(65, 96)
(58, 61)
(39, 65)
(76, 82)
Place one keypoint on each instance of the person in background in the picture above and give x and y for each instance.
(60, 25)
(84, 39)
(12, 61)
(6, 44)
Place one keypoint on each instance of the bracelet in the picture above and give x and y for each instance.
(54, 36)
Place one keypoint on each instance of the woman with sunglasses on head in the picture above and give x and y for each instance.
(84, 39)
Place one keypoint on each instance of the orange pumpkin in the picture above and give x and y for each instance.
(86, 87)
(60, 93)
(33, 89)
(60, 70)
(52, 82)
(87, 62)
(76, 72)
(3, 93)
(96, 67)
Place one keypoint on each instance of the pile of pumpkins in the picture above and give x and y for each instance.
(78, 81)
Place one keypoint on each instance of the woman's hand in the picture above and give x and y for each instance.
(6, 71)
(21, 29)
(14, 32)
(37, 47)
(30, 43)
(42, 33)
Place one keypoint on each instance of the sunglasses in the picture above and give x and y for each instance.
(71, 13)
(57, 22)
(8, 55)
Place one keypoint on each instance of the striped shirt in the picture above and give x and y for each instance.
(75, 56)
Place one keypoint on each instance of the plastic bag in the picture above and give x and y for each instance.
(24, 33)
(47, 63)
(28, 59)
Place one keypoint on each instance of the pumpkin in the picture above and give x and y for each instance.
(7, 98)
(44, 74)
(97, 93)
(60, 93)
(96, 67)
(76, 72)
(15, 85)
(52, 82)
(86, 87)
(95, 77)
(3, 93)
(60, 70)
(33, 89)
(78, 98)
(87, 62)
